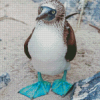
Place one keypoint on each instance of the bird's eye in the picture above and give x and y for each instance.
(41, 9)
(53, 12)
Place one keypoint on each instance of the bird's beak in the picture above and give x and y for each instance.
(43, 14)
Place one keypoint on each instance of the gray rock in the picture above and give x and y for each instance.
(92, 12)
(87, 89)
(4, 80)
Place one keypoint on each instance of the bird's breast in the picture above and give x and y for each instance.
(46, 44)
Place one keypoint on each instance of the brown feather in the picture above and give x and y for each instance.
(26, 45)
(70, 41)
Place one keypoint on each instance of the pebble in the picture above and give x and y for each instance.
(4, 80)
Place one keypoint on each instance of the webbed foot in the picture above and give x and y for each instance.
(36, 90)
(61, 86)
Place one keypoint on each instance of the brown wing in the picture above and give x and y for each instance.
(26, 46)
(70, 41)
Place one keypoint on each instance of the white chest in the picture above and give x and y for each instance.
(48, 50)
(47, 44)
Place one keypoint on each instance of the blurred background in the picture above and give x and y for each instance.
(17, 20)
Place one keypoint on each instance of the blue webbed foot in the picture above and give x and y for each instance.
(36, 90)
(61, 86)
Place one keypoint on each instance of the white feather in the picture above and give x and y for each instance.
(48, 50)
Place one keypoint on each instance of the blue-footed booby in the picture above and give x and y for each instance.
(51, 46)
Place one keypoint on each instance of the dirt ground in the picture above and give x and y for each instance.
(17, 19)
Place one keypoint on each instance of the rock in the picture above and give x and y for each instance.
(87, 89)
(4, 80)
(92, 12)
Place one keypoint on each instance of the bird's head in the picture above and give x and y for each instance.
(51, 11)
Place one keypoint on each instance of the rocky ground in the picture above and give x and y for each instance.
(17, 19)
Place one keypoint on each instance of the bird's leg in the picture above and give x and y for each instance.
(64, 76)
(37, 89)
(61, 86)
(39, 77)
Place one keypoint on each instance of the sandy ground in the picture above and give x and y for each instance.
(17, 19)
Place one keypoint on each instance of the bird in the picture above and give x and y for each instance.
(51, 46)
